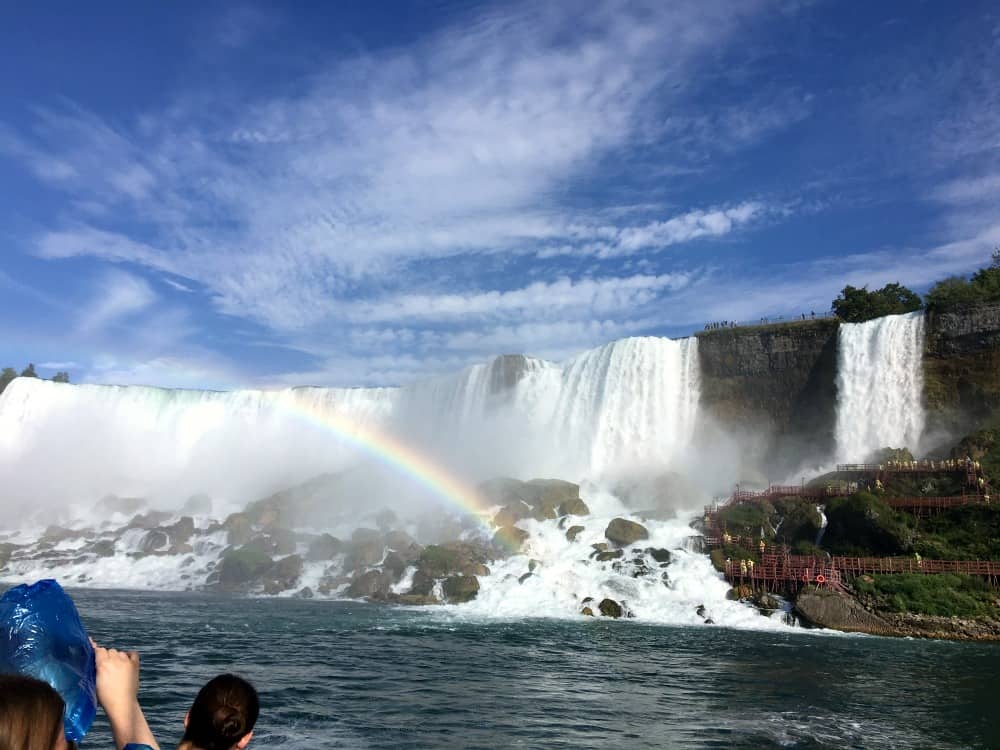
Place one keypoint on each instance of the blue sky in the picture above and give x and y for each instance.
(220, 195)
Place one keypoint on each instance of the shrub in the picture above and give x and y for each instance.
(945, 594)
(858, 305)
(864, 524)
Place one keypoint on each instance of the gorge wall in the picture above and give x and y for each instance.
(777, 382)
(962, 367)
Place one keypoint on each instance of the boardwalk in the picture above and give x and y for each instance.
(779, 570)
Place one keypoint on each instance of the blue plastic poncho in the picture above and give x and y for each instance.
(41, 636)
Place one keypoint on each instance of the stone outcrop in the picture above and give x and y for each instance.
(962, 367)
(774, 380)
(623, 532)
(824, 608)
(460, 589)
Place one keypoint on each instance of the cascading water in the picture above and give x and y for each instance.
(880, 386)
(622, 408)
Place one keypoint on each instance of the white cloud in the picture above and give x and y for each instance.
(120, 296)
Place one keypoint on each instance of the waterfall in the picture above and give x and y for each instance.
(822, 525)
(632, 402)
(880, 386)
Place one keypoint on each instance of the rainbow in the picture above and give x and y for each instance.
(408, 461)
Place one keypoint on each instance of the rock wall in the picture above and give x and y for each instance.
(776, 381)
(962, 368)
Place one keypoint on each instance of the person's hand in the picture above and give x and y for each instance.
(118, 694)
(117, 679)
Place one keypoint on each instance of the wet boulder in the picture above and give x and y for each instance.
(574, 507)
(152, 541)
(373, 584)
(660, 554)
(181, 531)
(422, 584)
(624, 532)
(512, 513)
(101, 548)
(284, 540)
(414, 600)
(238, 528)
(608, 555)
(394, 565)
(510, 538)
(366, 549)
(151, 520)
(573, 532)
(460, 589)
(283, 574)
(324, 547)
(610, 608)
(243, 565)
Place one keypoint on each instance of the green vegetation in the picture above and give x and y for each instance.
(437, 560)
(858, 305)
(969, 532)
(957, 291)
(944, 594)
(9, 373)
(800, 522)
(863, 524)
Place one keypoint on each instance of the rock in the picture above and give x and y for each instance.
(600, 547)
(400, 541)
(394, 565)
(422, 584)
(525, 577)
(609, 555)
(284, 574)
(739, 593)
(700, 611)
(152, 541)
(610, 608)
(284, 540)
(474, 569)
(459, 589)
(366, 549)
(181, 531)
(101, 548)
(372, 584)
(587, 612)
(831, 609)
(415, 600)
(510, 538)
(324, 547)
(150, 520)
(766, 602)
(624, 532)
(532, 564)
(242, 565)
(574, 507)
(573, 532)
(305, 593)
(512, 513)
(238, 528)
(709, 621)
(659, 554)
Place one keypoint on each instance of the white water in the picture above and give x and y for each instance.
(630, 403)
(880, 386)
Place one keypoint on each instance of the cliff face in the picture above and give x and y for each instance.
(962, 367)
(777, 381)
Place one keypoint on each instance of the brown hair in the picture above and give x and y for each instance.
(223, 713)
(31, 714)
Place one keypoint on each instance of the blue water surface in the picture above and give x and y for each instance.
(351, 675)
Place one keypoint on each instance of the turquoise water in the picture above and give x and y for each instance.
(349, 675)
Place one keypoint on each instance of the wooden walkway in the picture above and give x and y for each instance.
(779, 570)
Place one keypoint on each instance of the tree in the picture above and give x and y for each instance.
(950, 293)
(29, 371)
(60, 377)
(858, 305)
(8, 374)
